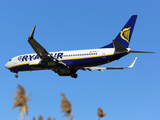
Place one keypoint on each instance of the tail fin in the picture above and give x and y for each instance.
(125, 34)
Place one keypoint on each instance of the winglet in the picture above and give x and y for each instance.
(132, 64)
(32, 33)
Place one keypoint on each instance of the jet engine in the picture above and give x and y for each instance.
(66, 72)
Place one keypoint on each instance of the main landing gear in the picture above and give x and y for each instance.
(74, 75)
(16, 75)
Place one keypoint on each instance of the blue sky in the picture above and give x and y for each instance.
(132, 94)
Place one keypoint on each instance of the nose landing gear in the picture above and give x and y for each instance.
(16, 75)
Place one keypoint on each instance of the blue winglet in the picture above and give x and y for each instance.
(32, 33)
(125, 34)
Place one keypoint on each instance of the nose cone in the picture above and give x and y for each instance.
(7, 65)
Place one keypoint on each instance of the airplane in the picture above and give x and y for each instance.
(67, 63)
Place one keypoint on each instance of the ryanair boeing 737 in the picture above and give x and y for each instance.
(67, 63)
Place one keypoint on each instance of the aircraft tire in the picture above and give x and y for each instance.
(74, 76)
(16, 76)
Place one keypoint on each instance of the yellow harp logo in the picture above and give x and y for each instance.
(125, 34)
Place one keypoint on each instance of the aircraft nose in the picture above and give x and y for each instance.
(7, 65)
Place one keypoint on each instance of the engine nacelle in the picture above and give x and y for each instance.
(47, 64)
(65, 72)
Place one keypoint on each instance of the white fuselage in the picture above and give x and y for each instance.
(81, 58)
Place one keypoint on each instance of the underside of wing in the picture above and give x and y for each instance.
(105, 68)
(41, 52)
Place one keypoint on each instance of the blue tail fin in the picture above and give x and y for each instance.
(125, 34)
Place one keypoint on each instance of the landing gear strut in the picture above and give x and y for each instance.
(74, 76)
(16, 75)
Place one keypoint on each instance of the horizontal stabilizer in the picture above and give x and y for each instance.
(140, 52)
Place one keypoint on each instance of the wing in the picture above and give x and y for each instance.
(41, 52)
(105, 68)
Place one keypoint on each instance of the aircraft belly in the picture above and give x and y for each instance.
(24, 67)
(27, 67)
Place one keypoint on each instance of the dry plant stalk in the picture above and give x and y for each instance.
(40, 117)
(101, 113)
(49, 118)
(21, 101)
(66, 106)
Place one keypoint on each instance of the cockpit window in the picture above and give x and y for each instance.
(10, 60)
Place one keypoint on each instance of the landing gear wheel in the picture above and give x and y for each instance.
(74, 76)
(16, 76)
